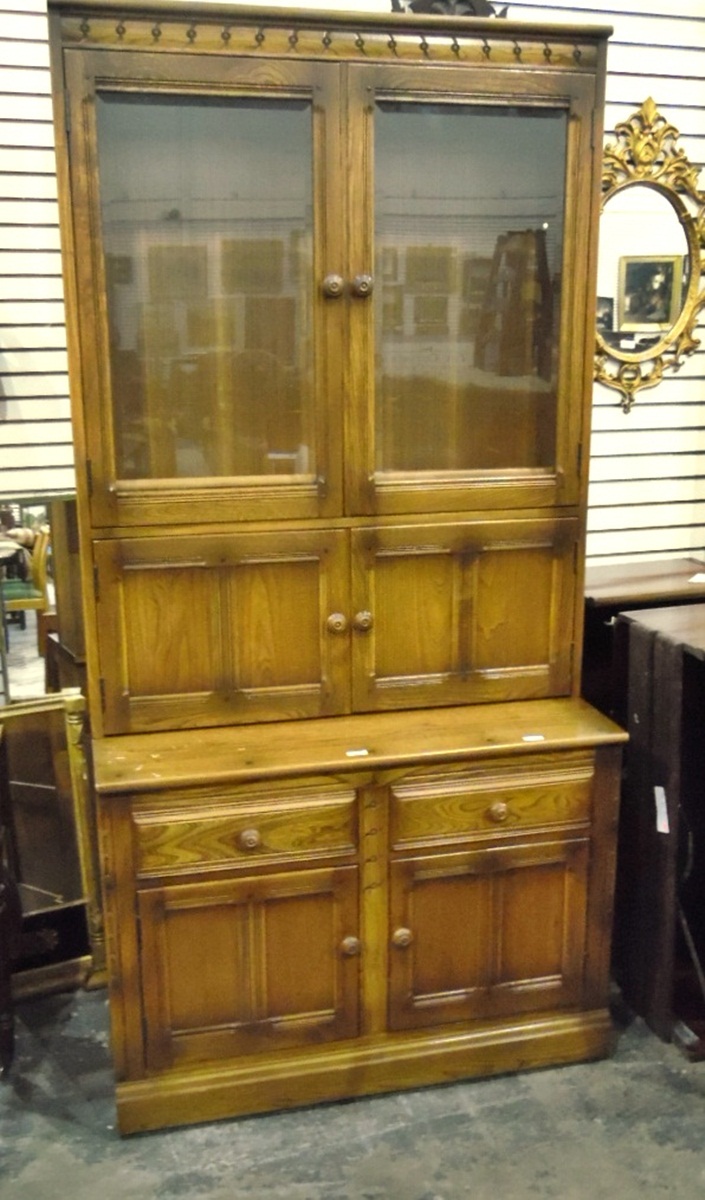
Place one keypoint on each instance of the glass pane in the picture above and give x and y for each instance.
(206, 211)
(468, 250)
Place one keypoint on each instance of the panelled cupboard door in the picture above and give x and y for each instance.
(316, 268)
(487, 932)
(241, 966)
(211, 629)
(205, 209)
(214, 628)
(462, 612)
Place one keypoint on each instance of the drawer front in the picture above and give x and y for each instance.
(553, 791)
(244, 832)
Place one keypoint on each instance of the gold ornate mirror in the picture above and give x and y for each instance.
(650, 266)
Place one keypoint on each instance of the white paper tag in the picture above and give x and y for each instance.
(662, 825)
(533, 737)
(698, 577)
(356, 753)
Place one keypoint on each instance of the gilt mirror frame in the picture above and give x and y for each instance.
(646, 155)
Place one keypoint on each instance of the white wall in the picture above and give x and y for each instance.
(647, 493)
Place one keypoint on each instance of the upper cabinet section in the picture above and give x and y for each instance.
(325, 268)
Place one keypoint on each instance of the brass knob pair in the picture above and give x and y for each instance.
(338, 622)
(334, 286)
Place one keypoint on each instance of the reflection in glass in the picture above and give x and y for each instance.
(469, 233)
(640, 296)
(206, 208)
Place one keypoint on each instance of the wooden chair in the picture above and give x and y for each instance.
(20, 595)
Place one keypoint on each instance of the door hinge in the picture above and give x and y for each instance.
(322, 485)
(102, 693)
(580, 457)
(89, 476)
(96, 583)
(67, 112)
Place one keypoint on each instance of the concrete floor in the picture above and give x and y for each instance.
(630, 1127)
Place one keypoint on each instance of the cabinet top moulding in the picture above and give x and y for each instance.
(208, 28)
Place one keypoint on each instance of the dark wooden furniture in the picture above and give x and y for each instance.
(49, 846)
(614, 587)
(357, 825)
(660, 926)
(10, 918)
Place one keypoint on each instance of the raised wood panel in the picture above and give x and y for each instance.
(248, 965)
(449, 623)
(201, 630)
(513, 922)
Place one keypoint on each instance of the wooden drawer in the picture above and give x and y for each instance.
(211, 831)
(545, 792)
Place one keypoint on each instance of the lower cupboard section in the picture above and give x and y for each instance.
(276, 942)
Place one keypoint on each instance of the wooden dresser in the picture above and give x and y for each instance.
(330, 287)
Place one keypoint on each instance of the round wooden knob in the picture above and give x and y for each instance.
(362, 621)
(249, 839)
(498, 812)
(351, 946)
(337, 623)
(401, 938)
(362, 286)
(333, 286)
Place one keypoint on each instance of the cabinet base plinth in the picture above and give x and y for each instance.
(299, 1079)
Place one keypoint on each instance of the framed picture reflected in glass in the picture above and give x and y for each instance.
(650, 291)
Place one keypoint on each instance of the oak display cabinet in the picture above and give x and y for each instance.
(358, 827)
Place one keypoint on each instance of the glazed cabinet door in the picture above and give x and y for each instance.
(207, 219)
(246, 965)
(466, 372)
(462, 612)
(214, 629)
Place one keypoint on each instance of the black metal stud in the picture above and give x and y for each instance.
(191, 33)
(120, 30)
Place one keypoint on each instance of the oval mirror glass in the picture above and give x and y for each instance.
(643, 269)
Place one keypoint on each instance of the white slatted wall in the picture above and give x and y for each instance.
(36, 453)
(647, 493)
